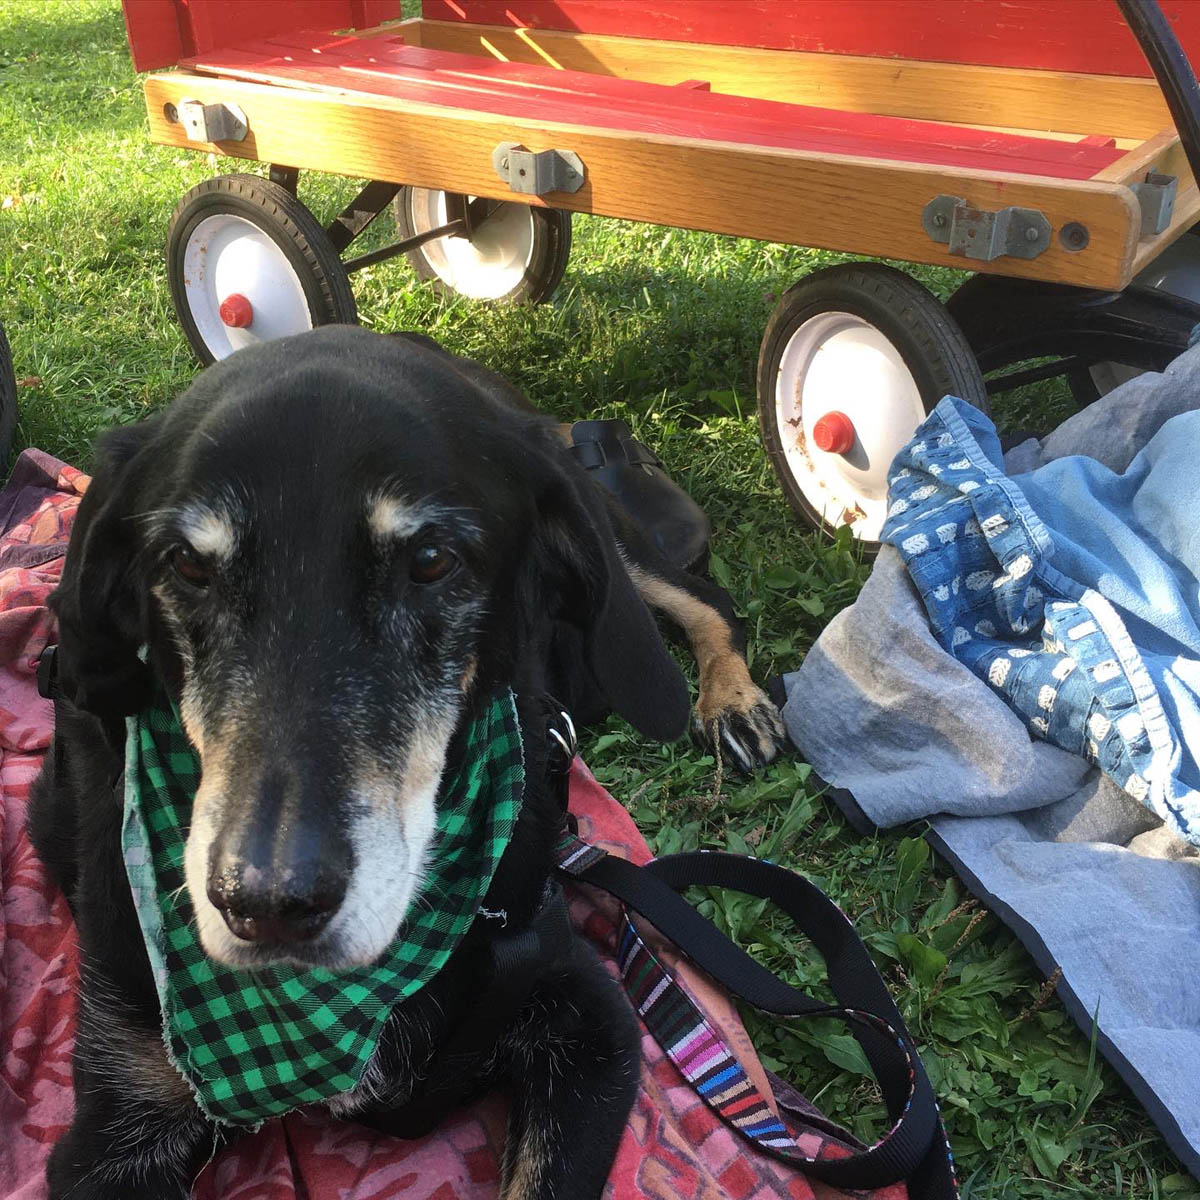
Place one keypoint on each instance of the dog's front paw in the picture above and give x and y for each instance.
(745, 726)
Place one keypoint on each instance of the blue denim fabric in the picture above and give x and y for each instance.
(1072, 591)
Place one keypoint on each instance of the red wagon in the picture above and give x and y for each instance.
(1052, 147)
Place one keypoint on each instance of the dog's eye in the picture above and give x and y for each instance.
(430, 563)
(191, 568)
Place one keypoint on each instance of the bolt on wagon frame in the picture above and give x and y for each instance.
(1051, 148)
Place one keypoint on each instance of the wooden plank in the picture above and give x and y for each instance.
(855, 205)
(1131, 167)
(1058, 35)
(162, 32)
(1168, 158)
(1122, 144)
(929, 91)
(387, 66)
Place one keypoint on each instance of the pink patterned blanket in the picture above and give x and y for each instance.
(673, 1148)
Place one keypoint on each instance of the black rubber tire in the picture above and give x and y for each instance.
(907, 314)
(286, 221)
(1013, 322)
(8, 400)
(548, 262)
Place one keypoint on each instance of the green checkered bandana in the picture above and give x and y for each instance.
(257, 1043)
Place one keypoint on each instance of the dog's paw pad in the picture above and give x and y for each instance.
(750, 733)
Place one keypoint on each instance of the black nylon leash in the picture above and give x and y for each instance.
(915, 1150)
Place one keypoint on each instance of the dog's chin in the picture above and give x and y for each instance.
(346, 943)
(390, 868)
(387, 877)
(329, 953)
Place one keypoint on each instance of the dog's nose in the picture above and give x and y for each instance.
(273, 908)
(278, 886)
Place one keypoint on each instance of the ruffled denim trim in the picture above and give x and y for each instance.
(1055, 650)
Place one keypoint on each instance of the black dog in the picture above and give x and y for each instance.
(336, 549)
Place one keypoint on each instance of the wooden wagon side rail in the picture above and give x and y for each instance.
(856, 205)
(1162, 155)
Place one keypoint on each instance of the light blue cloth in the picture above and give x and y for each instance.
(1071, 590)
(1091, 881)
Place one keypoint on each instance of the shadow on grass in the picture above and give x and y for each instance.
(633, 336)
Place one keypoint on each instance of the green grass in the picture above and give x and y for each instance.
(662, 328)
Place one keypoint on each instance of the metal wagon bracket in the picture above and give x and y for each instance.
(978, 233)
(1156, 198)
(211, 122)
(537, 172)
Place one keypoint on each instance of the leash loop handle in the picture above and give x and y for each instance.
(914, 1150)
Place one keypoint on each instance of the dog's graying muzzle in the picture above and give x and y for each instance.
(278, 872)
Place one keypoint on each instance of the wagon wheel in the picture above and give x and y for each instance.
(8, 399)
(853, 358)
(247, 262)
(517, 254)
(1095, 340)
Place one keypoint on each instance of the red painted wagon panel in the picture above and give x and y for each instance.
(386, 66)
(161, 32)
(1064, 35)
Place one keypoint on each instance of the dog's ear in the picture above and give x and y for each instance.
(575, 551)
(101, 608)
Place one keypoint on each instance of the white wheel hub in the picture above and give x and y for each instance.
(842, 372)
(230, 261)
(488, 266)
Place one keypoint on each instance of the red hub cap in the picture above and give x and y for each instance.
(236, 311)
(833, 433)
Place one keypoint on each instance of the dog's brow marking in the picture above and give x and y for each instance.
(390, 515)
(395, 517)
(209, 532)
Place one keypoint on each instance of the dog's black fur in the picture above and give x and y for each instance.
(332, 648)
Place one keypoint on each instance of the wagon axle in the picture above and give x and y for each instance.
(834, 433)
(236, 311)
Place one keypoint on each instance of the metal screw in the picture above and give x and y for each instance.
(1074, 236)
(1031, 234)
(939, 220)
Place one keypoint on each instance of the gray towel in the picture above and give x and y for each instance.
(1086, 876)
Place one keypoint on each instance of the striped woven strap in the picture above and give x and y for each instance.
(706, 1061)
(687, 1038)
(683, 1032)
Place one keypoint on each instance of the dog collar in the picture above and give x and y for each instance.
(254, 1044)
